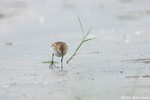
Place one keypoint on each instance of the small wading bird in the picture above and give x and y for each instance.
(59, 49)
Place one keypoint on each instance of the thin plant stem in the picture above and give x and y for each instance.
(83, 40)
(81, 26)
(75, 51)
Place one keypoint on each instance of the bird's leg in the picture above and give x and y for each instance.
(52, 65)
(62, 62)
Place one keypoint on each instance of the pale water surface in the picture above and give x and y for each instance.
(114, 66)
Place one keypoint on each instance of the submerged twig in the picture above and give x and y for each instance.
(82, 41)
(48, 62)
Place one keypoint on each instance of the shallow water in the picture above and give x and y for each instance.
(114, 65)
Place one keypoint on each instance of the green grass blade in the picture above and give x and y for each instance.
(88, 32)
(83, 40)
(81, 26)
(48, 62)
(88, 39)
(75, 52)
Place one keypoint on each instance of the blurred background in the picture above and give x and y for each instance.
(114, 65)
(60, 16)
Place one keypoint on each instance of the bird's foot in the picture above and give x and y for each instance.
(52, 65)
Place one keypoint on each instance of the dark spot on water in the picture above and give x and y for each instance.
(134, 15)
(8, 43)
(132, 76)
(104, 71)
(95, 52)
(145, 61)
(128, 17)
(2, 16)
(121, 72)
(93, 79)
(12, 84)
(146, 76)
(68, 5)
